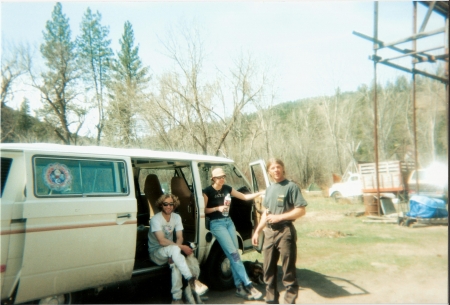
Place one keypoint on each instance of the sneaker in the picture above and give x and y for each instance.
(177, 301)
(200, 288)
(255, 293)
(242, 293)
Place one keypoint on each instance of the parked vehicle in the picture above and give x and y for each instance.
(432, 182)
(75, 218)
(392, 178)
(350, 186)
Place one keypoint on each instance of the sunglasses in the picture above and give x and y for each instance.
(221, 177)
(167, 204)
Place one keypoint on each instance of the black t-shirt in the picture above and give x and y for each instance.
(216, 198)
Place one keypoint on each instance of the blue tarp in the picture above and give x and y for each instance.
(426, 207)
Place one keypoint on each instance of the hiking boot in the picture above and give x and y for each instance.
(177, 301)
(198, 286)
(242, 293)
(255, 293)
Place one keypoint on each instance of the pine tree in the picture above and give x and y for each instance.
(129, 78)
(24, 121)
(94, 57)
(59, 81)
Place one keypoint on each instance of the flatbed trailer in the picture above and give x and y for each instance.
(392, 176)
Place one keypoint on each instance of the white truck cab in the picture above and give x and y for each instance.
(350, 186)
(76, 217)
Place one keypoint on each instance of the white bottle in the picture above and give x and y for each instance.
(227, 202)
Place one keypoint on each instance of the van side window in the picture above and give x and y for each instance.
(6, 165)
(83, 177)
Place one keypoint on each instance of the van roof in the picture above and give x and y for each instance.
(103, 150)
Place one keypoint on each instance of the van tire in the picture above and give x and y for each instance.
(67, 298)
(218, 270)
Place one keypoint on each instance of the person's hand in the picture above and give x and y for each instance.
(255, 238)
(220, 208)
(186, 249)
(272, 218)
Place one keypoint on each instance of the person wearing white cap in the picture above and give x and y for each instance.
(223, 229)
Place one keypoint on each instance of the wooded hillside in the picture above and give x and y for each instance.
(315, 137)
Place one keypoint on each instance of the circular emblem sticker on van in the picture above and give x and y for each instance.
(57, 177)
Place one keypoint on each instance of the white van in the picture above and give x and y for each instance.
(75, 218)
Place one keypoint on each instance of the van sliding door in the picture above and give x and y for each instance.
(80, 221)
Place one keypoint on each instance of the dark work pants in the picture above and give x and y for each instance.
(280, 244)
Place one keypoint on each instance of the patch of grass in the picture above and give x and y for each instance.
(329, 242)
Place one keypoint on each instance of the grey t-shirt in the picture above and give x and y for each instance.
(283, 197)
(158, 223)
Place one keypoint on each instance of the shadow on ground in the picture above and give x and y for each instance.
(327, 286)
(151, 291)
(157, 291)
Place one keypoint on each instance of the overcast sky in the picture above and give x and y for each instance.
(309, 45)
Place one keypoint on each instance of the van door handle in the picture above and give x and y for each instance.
(19, 220)
(124, 216)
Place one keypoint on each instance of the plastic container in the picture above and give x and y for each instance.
(227, 203)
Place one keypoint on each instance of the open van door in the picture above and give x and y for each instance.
(260, 181)
(260, 178)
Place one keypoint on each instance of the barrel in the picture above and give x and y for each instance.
(371, 205)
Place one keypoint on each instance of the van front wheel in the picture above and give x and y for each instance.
(218, 270)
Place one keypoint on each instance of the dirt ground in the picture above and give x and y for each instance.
(389, 284)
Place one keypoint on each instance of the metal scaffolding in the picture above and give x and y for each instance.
(422, 56)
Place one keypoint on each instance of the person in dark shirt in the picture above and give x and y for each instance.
(283, 204)
(223, 229)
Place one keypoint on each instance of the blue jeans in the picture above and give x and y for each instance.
(224, 231)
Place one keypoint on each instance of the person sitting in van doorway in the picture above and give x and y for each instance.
(283, 204)
(162, 248)
(217, 204)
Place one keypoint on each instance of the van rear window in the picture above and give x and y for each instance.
(72, 177)
(6, 166)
